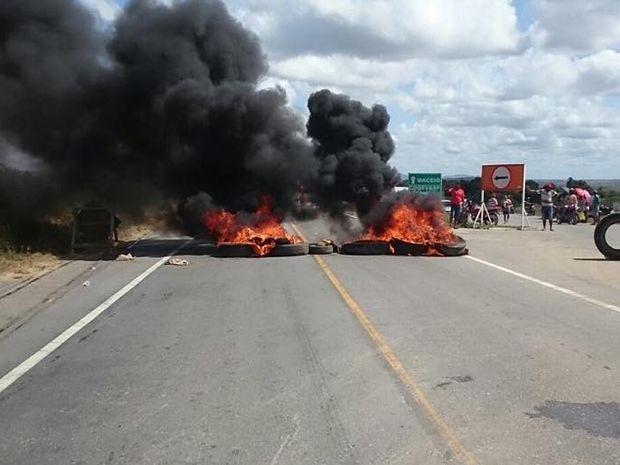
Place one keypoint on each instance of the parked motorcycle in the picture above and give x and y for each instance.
(566, 214)
(491, 219)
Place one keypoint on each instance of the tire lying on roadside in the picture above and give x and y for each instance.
(233, 250)
(319, 249)
(365, 247)
(455, 248)
(289, 250)
(600, 238)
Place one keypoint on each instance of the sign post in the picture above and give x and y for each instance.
(505, 178)
(425, 183)
(523, 213)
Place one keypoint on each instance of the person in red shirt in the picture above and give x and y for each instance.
(457, 196)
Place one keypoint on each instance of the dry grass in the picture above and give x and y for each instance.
(134, 232)
(28, 248)
(24, 265)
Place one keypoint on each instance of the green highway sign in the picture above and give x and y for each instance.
(425, 183)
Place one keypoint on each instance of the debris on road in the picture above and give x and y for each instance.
(175, 261)
(323, 247)
(86, 283)
(125, 257)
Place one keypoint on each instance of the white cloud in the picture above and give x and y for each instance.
(581, 25)
(382, 28)
(554, 137)
(344, 71)
(600, 73)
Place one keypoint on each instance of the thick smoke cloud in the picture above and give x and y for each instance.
(163, 106)
(48, 63)
(354, 146)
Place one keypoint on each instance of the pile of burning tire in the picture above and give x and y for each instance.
(455, 248)
(284, 248)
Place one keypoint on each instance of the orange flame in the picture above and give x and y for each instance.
(261, 230)
(410, 224)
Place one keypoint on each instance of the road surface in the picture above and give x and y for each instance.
(509, 357)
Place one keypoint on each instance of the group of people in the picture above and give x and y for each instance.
(577, 199)
(506, 206)
(459, 202)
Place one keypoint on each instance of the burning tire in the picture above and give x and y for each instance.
(289, 250)
(321, 249)
(408, 248)
(233, 250)
(454, 249)
(365, 248)
(600, 238)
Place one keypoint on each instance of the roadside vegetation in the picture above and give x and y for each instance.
(28, 248)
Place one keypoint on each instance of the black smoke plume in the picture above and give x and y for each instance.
(353, 144)
(163, 105)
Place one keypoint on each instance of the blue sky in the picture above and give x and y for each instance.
(466, 81)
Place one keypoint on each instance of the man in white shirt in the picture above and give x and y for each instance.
(546, 200)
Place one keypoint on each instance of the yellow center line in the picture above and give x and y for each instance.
(394, 363)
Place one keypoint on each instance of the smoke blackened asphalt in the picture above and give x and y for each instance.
(262, 361)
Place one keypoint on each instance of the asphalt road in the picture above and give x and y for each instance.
(512, 357)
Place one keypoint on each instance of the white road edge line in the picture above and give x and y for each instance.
(563, 290)
(38, 356)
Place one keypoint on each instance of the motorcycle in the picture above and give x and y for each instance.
(491, 219)
(566, 214)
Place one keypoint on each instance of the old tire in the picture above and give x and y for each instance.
(289, 250)
(408, 248)
(600, 236)
(233, 250)
(317, 249)
(453, 249)
(365, 248)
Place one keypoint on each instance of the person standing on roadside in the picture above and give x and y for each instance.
(572, 200)
(570, 204)
(596, 206)
(546, 201)
(506, 208)
(457, 196)
(492, 203)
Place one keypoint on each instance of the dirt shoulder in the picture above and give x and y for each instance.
(21, 266)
